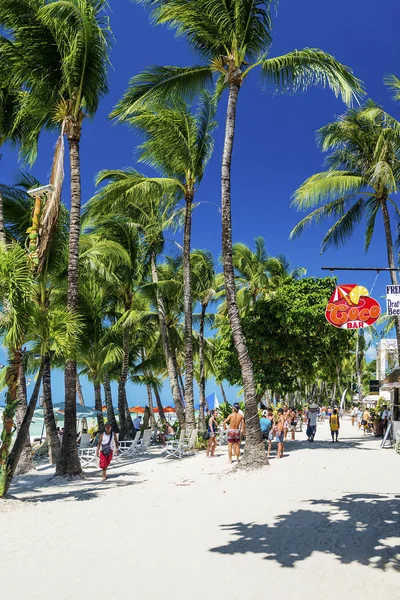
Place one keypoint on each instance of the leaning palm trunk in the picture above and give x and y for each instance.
(69, 463)
(171, 367)
(159, 404)
(79, 392)
(25, 463)
(188, 308)
(109, 405)
(98, 405)
(49, 420)
(12, 379)
(254, 454)
(126, 429)
(225, 399)
(202, 404)
(392, 263)
(23, 432)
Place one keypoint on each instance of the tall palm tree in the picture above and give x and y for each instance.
(61, 60)
(204, 291)
(178, 145)
(234, 38)
(363, 173)
(251, 270)
(152, 216)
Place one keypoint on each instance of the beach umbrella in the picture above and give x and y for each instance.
(116, 413)
(139, 410)
(169, 409)
(82, 412)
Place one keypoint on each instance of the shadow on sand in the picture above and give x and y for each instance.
(363, 528)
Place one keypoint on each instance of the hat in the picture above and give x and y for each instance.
(236, 406)
(264, 413)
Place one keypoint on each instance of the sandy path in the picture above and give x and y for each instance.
(322, 523)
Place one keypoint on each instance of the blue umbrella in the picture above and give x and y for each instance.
(82, 412)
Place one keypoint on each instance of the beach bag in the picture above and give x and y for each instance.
(206, 435)
(106, 448)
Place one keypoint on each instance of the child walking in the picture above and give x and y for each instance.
(334, 425)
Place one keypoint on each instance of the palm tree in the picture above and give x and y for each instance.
(234, 38)
(205, 292)
(152, 216)
(251, 270)
(16, 286)
(363, 172)
(178, 145)
(61, 59)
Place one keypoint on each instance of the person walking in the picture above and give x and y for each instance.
(365, 420)
(212, 428)
(312, 422)
(107, 446)
(385, 418)
(271, 432)
(334, 424)
(236, 428)
(280, 433)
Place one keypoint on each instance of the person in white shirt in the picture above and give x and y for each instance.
(106, 448)
(137, 423)
(312, 425)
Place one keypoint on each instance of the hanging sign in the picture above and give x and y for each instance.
(351, 307)
(393, 300)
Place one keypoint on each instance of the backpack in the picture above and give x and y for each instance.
(106, 448)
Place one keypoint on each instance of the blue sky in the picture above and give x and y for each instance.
(274, 146)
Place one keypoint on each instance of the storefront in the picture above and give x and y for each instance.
(391, 383)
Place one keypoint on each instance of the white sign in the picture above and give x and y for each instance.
(393, 300)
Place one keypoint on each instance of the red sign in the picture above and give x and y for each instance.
(350, 307)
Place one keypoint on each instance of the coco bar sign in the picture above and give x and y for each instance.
(351, 307)
(393, 300)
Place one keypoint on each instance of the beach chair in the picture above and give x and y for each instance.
(171, 445)
(87, 456)
(145, 441)
(127, 448)
(40, 450)
(183, 448)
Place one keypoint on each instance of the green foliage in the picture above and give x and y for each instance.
(288, 339)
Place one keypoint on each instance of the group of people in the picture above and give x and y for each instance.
(364, 419)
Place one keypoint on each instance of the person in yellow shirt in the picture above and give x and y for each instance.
(365, 420)
(334, 424)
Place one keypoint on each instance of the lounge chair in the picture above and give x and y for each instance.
(87, 456)
(173, 444)
(184, 448)
(145, 441)
(41, 449)
(129, 447)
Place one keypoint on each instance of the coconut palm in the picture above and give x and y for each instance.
(205, 291)
(178, 145)
(251, 270)
(152, 217)
(363, 173)
(234, 38)
(61, 60)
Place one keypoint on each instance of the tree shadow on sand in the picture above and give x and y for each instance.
(363, 528)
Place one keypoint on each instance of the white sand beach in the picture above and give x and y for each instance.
(324, 523)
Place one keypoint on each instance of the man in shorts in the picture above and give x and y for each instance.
(280, 432)
(236, 428)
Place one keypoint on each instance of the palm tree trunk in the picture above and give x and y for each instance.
(202, 423)
(153, 423)
(180, 378)
(171, 367)
(11, 378)
(223, 393)
(392, 263)
(98, 405)
(79, 393)
(110, 409)
(126, 429)
(49, 420)
(69, 463)
(2, 226)
(159, 403)
(187, 309)
(254, 453)
(19, 444)
(25, 463)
